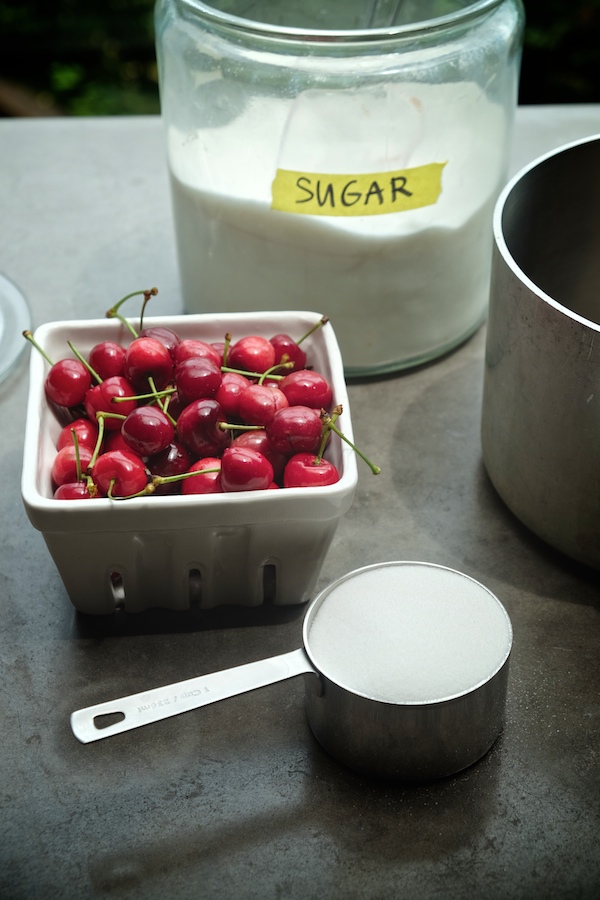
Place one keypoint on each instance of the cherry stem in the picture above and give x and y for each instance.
(147, 296)
(154, 395)
(29, 336)
(158, 480)
(169, 479)
(258, 375)
(113, 312)
(81, 475)
(226, 347)
(77, 455)
(229, 426)
(268, 374)
(84, 362)
(157, 396)
(317, 325)
(109, 415)
(329, 423)
(100, 438)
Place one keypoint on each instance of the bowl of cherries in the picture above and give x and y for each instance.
(188, 461)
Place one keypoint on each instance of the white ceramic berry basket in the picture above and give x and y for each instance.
(177, 552)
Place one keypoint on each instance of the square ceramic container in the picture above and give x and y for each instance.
(174, 552)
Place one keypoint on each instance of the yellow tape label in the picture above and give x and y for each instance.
(315, 194)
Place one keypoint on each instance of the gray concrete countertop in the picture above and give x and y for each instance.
(238, 800)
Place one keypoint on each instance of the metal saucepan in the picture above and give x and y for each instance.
(406, 665)
(540, 428)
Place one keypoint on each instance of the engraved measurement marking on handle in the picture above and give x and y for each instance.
(96, 722)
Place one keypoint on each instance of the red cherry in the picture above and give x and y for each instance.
(198, 428)
(147, 430)
(75, 490)
(207, 483)
(173, 460)
(307, 388)
(126, 470)
(100, 399)
(114, 441)
(244, 469)
(308, 470)
(252, 353)
(67, 382)
(190, 348)
(86, 431)
(147, 358)
(229, 392)
(259, 402)
(295, 429)
(64, 465)
(286, 349)
(166, 336)
(175, 405)
(258, 440)
(107, 359)
(219, 347)
(197, 377)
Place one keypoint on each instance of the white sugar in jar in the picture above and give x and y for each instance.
(325, 157)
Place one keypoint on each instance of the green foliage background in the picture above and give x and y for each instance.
(96, 57)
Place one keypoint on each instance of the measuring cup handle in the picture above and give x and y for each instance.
(96, 722)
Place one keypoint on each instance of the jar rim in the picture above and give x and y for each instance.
(475, 9)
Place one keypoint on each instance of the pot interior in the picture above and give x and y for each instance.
(550, 224)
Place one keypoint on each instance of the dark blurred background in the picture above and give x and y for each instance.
(96, 57)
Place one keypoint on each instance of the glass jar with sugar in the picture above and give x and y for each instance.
(341, 157)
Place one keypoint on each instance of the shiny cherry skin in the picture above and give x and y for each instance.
(67, 382)
(197, 377)
(101, 399)
(286, 349)
(146, 358)
(192, 348)
(173, 460)
(75, 490)
(175, 405)
(259, 440)
(251, 353)
(295, 429)
(219, 348)
(229, 393)
(244, 469)
(165, 335)
(64, 464)
(107, 359)
(307, 470)
(307, 388)
(126, 470)
(147, 430)
(86, 431)
(209, 482)
(198, 428)
(114, 440)
(259, 402)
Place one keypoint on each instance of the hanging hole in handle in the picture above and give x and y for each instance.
(105, 720)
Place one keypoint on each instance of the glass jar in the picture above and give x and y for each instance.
(343, 158)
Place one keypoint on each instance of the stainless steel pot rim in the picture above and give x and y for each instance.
(433, 704)
(500, 241)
